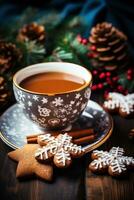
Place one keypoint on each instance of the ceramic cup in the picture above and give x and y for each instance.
(53, 110)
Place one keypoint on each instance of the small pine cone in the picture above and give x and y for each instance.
(109, 47)
(32, 32)
(4, 94)
(9, 56)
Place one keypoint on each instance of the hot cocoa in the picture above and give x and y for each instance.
(52, 82)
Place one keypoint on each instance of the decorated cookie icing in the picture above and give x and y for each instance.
(113, 161)
(60, 148)
(121, 103)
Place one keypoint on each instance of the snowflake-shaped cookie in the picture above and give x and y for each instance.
(114, 162)
(117, 102)
(60, 149)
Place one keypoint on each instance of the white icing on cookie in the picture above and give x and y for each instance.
(100, 153)
(117, 166)
(46, 138)
(62, 156)
(117, 100)
(116, 152)
(73, 148)
(42, 152)
(112, 104)
(114, 160)
(99, 163)
(60, 147)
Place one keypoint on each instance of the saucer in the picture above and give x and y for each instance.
(15, 126)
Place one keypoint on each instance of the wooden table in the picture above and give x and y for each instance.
(76, 183)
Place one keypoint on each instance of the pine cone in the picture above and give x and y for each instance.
(108, 46)
(9, 55)
(4, 94)
(32, 32)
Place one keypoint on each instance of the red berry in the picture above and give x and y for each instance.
(95, 72)
(93, 48)
(120, 88)
(95, 55)
(94, 87)
(79, 38)
(108, 74)
(109, 81)
(129, 71)
(129, 77)
(116, 78)
(102, 75)
(126, 92)
(84, 41)
(90, 55)
(100, 86)
(106, 94)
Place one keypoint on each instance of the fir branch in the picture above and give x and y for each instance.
(60, 54)
(32, 52)
(127, 84)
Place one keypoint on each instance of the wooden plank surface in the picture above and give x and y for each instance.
(67, 184)
(103, 187)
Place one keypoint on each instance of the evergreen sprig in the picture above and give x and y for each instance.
(32, 52)
(61, 44)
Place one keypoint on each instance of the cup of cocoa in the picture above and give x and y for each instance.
(53, 94)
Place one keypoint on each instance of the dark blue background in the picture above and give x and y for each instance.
(119, 12)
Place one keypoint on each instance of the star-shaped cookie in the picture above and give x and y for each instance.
(28, 165)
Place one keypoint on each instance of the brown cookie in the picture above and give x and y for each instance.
(98, 166)
(60, 149)
(117, 168)
(113, 162)
(44, 139)
(28, 165)
(62, 158)
(116, 102)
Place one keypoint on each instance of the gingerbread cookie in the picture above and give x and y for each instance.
(113, 162)
(28, 165)
(117, 102)
(60, 149)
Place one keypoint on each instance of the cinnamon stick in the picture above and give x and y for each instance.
(80, 140)
(79, 137)
(32, 140)
(33, 136)
(74, 134)
(84, 140)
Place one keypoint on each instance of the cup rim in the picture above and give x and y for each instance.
(88, 83)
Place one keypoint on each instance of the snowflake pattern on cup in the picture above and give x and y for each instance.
(35, 98)
(77, 96)
(29, 103)
(44, 100)
(15, 125)
(65, 108)
(20, 96)
(58, 101)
